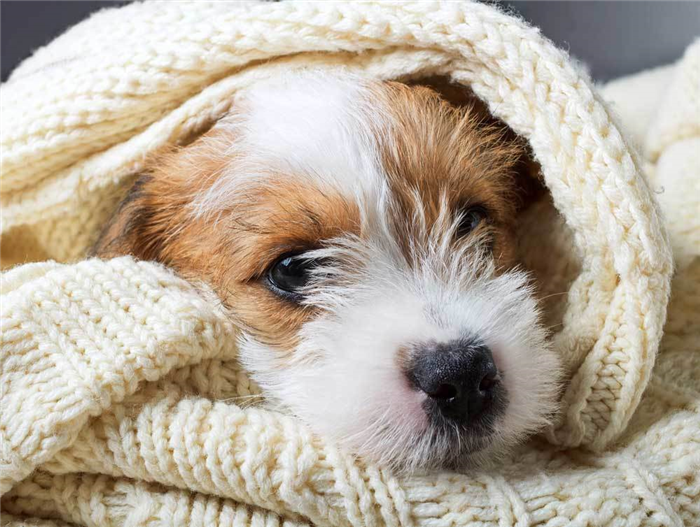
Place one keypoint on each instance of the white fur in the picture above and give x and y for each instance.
(315, 126)
(344, 378)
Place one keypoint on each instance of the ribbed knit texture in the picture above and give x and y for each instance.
(122, 402)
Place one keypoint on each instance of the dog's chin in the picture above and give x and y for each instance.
(446, 445)
(439, 448)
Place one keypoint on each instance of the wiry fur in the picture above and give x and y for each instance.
(373, 178)
(346, 376)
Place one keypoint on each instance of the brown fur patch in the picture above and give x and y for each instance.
(230, 251)
(453, 155)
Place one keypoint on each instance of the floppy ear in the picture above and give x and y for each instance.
(154, 221)
(133, 230)
(528, 180)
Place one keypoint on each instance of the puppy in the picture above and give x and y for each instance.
(361, 234)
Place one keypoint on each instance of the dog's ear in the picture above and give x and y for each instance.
(530, 186)
(154, 221)
(133, 230)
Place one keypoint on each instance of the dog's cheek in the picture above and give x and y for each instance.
(268, 368)
(504, 248)
(531, 370)
(348, 370)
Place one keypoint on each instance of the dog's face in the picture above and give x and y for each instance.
(361, 235)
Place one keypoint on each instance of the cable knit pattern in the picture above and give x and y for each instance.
(122, 401)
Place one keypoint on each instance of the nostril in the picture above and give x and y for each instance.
(445, 392)
(489, 382)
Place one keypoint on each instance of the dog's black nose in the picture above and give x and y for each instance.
(460, 378)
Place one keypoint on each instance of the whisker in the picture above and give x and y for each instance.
(252, 398)
(554, 294)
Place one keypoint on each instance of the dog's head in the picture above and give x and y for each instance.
(361, 234)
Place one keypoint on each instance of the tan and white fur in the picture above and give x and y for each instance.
(372, 182)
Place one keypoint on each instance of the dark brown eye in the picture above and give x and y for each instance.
(290, 274)
(470, 218)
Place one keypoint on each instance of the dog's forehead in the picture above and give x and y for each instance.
(322, 127)
(368, 141)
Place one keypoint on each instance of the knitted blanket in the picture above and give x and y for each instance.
(122, 401)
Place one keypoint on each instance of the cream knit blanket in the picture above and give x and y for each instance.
(122, 402)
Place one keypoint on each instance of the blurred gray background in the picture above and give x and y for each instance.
(613, 37)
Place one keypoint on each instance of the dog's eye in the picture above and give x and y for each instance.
(470, 219)
(290, 274)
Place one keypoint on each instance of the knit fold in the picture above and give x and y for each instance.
(122, 398)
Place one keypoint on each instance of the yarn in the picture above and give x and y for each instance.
(122, 401)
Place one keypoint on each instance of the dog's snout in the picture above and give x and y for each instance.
(460, 378)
